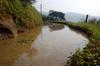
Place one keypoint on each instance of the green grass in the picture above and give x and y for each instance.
(93, 28)
(90, 55)
(23, 15)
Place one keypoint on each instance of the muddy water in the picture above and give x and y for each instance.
(49, 45)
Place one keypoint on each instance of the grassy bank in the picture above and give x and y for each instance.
(90, 55)
(22, 12)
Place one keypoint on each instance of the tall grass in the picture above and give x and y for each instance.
(90, 55)
(23, 15)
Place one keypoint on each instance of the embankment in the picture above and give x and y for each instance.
(90, 55)
(22, 14)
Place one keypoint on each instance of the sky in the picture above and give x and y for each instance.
(91, 7)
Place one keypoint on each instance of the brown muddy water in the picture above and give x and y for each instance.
(49, 45)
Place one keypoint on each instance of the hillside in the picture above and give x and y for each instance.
(23, 13)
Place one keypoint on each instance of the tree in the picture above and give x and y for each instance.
(25, 2)
(56, 15)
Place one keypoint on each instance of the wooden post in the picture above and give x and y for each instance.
(86, 20)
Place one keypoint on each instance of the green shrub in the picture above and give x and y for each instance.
(24, 16)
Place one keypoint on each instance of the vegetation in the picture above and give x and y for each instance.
(90, 55)
(93, 20)
(25, 16)
(54, 16)
(98, 21)
(45, 18)
(22, 11)
(28, 1)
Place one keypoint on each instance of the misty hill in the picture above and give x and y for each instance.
(45, 13)
(74, 17)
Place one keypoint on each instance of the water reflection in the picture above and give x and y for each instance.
(12, 49)
(52, 48)
(55, 27)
